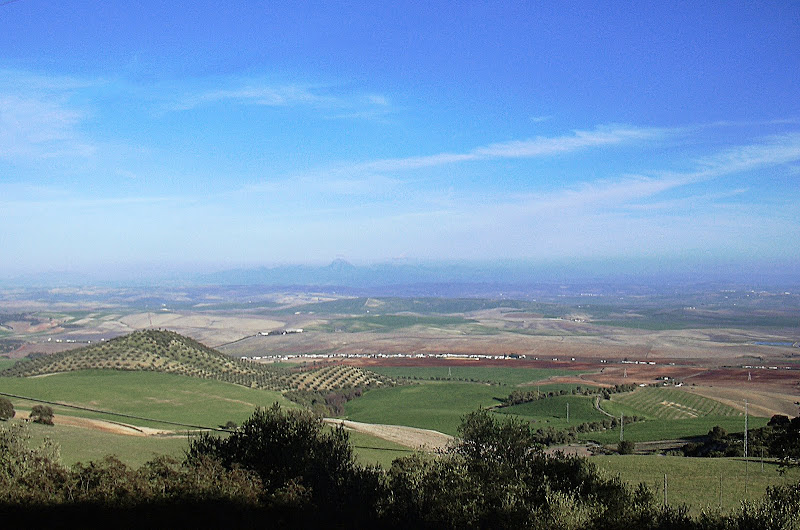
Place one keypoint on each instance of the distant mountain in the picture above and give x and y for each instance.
(467, 278)
(168, 352)
(345, 274)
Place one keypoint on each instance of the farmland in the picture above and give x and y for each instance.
(151, 395)
(552, 412)
(437, 406)
(668, 404)
(695, 482)
(422, 363)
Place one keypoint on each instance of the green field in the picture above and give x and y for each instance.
(649, 430)
(552, 412)
(371, 450)
(82, 445)
(666, 403)
(696, 481)
(495, 374)
(437, 406)
(7, 363)
(153, 395)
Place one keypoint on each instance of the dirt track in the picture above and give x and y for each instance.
(412, 437)
(102, 425)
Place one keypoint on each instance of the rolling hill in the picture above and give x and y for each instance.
(168, 352)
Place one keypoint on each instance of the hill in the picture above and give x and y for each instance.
(168, 352)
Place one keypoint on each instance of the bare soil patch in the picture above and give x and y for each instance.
(210, 329)
(413, 437)
(759, 402)
(103, 425)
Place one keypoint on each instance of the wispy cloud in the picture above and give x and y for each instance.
(689, 201)
(39, 127)
(335, 104)
(530, 148)
(37, 119)
(271, 96)
(771, 151)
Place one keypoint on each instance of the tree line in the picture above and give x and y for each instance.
(283, 468)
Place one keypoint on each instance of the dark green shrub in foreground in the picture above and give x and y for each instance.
(283, 469)
(626, 447)
(302, 466)
(6, 409)
(42, 414)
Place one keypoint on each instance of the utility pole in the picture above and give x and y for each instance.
(745, 448)
(745, 430)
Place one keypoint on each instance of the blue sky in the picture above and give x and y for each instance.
(205, 135)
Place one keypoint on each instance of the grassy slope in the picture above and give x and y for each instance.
(371, 450)
(669, 414)
(440, 406)
(666, 403)
(437, 406)
(552, 412)
(672, 429)
(148, 394)
(83, 445)
(7, 363)
(695, 481)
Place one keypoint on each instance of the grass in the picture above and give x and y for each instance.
(148, 394)
(695, 482)
(661, 429)
(552, 412)
(666, 403)
(669, 413)
(371, 450)
(437, 406)
(82, 445)
(496, 374)
(7, 363)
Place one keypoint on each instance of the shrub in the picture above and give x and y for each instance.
(626, 447)
(6, 409)
(42, 414)
(301, 465)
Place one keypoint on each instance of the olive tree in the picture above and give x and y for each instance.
(6, 409)
(42, 414)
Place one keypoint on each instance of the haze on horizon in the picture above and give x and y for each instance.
(154, 136)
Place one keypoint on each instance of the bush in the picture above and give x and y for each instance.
(6, 409)
(626, 447)
(42, 414)
(302, 466)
